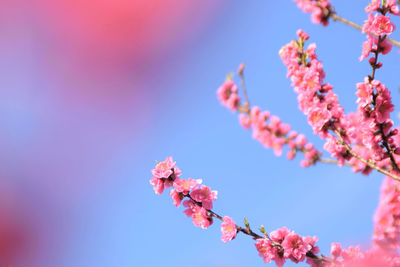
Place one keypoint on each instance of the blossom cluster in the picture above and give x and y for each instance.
(374, 123)
(387, 216)
(380, 26)
(319, 9)
(268, 129)
(227, 93)
(316, 98)
(166, 174)
(285, 244)
(199, 200)
(354, 257)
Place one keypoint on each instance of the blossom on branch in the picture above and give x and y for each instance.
(228, 229)
(319, 9)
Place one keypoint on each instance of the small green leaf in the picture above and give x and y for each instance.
(262, 229)
(246, 223)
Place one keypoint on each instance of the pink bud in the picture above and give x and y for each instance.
(305, 163)
(301, 140)
(266, 114)
(240, 69)
(292, 134)
(309, 146)
(291, 154)
(245, 121)
(291, 144)
(302, 34)
(371, 61)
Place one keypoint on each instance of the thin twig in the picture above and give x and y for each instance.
(350, 23)
(369, 163)
(241, 74)
(246, 110)
(331, 161)
(248, 231)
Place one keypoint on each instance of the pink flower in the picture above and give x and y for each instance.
(291, 154)
(331, 145)
(240, 69)
(373, 6)
(265, 249)
(364, 93)
(382, 25)
(385, 47)
(387, 217)
(352, 253)
(185, 186)
(318, 118)
(305, 163)
(367, 47)
(294, 247)
(269, 252)
(393, 7)
(336, 250)
(367, 27)
(384, 106)
(228, 229)
(279, 234)
(176, 197)
(158, 185)
(244, 120)
(301, 140)
(165, 168)
(162, 175)
(315, 8)
(310, 243)
(205, 196)
(199, 215)
(227, 93)
(302, 35)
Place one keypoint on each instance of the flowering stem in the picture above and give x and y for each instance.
(247, 103)
(370, 163)
(381, 125)
(248, 231)
(336, 17)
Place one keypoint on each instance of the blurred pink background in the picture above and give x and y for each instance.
(78, 82)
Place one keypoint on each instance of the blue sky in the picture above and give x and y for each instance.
(207, 142)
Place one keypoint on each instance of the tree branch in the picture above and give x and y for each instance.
(369, 163)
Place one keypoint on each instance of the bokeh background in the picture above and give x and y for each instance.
(93, 92)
